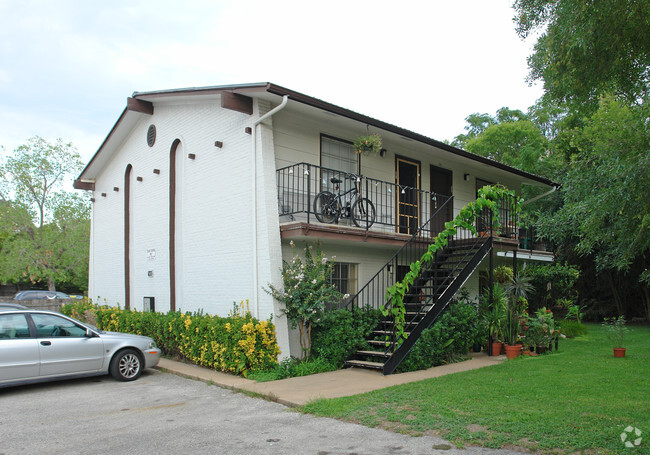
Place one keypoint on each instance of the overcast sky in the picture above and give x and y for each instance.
(66, 67)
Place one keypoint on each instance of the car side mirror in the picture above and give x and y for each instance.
(90, 333)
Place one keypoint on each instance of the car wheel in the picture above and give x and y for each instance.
(126, 365)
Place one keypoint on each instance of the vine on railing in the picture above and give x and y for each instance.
(489, 197)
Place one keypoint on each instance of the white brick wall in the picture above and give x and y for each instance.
(214, 256)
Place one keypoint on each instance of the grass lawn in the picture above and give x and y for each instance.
(579, 398)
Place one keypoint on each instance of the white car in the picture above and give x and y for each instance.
(38, 346)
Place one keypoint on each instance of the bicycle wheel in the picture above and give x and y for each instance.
(325, 207)
(363, 213)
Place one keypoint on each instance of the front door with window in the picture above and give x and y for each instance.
(408, 195)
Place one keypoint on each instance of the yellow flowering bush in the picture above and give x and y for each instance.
(237, 344)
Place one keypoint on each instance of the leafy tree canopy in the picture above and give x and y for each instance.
(588, 48)
(606, 210)
(513, 137)
(44, 230)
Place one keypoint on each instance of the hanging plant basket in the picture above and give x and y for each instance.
(368, 144)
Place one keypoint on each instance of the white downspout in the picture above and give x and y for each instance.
(256, 302)
(552, 190)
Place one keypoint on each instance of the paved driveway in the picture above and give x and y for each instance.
(162, 413)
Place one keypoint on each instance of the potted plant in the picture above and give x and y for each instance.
(616, 330)
(517, 288)
(367, 144)
(494, 329)
(495, 315)
(534, 334)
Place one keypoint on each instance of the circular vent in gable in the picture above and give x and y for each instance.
(151, 135)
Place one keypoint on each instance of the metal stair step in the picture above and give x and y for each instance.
(408, 323)
(364, 364)
(374, 354)
(381, 343)
(386, 332)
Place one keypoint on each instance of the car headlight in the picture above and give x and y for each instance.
(152, 345)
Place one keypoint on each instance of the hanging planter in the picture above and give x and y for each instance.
(370, 143)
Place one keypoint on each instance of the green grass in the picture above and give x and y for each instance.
(578, 399)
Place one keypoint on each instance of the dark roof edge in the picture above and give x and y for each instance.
(315, 102)
(110, 134)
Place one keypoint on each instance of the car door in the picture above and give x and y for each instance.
(64, 347)
(19, 357)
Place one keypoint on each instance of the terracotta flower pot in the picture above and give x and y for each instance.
(513, 351)
(496, 348)
(619, 352)
(525, 352)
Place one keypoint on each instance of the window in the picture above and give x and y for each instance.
(49, 325)
(13, 326)
(337, 155)
(344, 278)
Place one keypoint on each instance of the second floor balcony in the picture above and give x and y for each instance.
(312, 197)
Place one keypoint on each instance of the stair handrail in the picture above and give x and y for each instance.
(349, 305)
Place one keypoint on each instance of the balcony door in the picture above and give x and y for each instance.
(408, 195)
(441, 183)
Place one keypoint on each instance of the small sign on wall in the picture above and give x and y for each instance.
(151, 254)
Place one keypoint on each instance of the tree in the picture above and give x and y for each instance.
(588, 48)
(513, 138)
(306, 291)
(606, 209)
(44, 229)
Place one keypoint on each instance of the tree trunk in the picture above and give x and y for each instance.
(301, 331)
(645, 296)
(617, 297)
(51, 286)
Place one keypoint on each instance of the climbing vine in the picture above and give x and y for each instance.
(489, 197)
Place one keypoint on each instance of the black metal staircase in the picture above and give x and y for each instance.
(428, 296)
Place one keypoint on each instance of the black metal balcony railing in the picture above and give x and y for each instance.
(399, 208)
(506, 225)
(373, 293)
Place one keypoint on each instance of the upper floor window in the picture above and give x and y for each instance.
(337, 155)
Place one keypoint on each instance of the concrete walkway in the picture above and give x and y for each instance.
(334, 384)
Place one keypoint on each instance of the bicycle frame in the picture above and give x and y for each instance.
(340, 198)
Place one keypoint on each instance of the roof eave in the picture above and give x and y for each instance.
(315, 102)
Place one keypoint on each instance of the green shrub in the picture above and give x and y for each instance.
(292, 367)
(237, 344)
(551, 283)
(571, 328)
(450, 336)
(339, 333)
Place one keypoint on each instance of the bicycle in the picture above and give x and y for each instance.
(330, 208)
